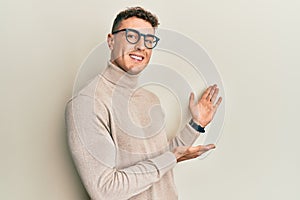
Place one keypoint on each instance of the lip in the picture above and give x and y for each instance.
(136, 57)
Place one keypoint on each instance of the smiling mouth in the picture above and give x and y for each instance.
(136, 57)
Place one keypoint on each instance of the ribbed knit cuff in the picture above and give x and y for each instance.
(189, 134)
(164, 162)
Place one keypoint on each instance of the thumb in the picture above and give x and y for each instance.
(192, 99)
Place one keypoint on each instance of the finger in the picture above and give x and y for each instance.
(218, 102)
(197, 149)
(192, 100)
(212, 90)
(200, 148)
(187, 158)
(206, 93)
(210, 146)
(215, 94)
(191, 156)
(194, 149)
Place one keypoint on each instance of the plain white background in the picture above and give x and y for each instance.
(255, 45)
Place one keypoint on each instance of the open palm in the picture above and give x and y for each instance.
(204, 110)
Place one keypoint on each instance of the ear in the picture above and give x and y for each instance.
(110, 41)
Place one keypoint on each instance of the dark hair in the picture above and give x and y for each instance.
(138, 12)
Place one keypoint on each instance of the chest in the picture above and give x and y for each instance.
(138, 128)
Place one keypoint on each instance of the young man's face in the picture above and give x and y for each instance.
(132, 58)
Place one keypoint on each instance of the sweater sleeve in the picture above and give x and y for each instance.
(94, 154)
(186, 137)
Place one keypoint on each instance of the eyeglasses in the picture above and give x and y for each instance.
(133, 36)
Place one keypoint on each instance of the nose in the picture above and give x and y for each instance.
(140, 44)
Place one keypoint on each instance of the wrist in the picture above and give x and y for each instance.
(176, 154)
(198, 127)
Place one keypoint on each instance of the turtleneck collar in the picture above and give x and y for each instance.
(119, 77)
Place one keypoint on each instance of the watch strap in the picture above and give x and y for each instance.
(196, 126)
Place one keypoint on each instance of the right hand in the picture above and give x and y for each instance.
(186, 153)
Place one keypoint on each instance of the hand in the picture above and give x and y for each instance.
(204, 111)
(186, 153)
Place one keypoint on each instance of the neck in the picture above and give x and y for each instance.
(119, 77)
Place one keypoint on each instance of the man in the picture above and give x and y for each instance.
(116, 132)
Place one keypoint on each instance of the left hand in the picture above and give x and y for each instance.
(204, 111)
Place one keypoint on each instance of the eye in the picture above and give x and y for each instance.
(149, 41)
(132, 36)
(129, 35)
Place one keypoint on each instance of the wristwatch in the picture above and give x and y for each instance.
(196, 126)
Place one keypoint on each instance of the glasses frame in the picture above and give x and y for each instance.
(139, 38)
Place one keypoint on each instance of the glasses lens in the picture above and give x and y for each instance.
(132, 36)
(150, 41)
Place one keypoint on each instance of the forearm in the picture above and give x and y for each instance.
(103, 182)
(186, 137)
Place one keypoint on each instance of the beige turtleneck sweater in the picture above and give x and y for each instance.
(117, 138)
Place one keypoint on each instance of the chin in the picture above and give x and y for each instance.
(136, 69)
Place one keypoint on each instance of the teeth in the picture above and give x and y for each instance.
(136, 57)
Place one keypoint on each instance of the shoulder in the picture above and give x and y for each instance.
(85, 104)
(96, 91)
